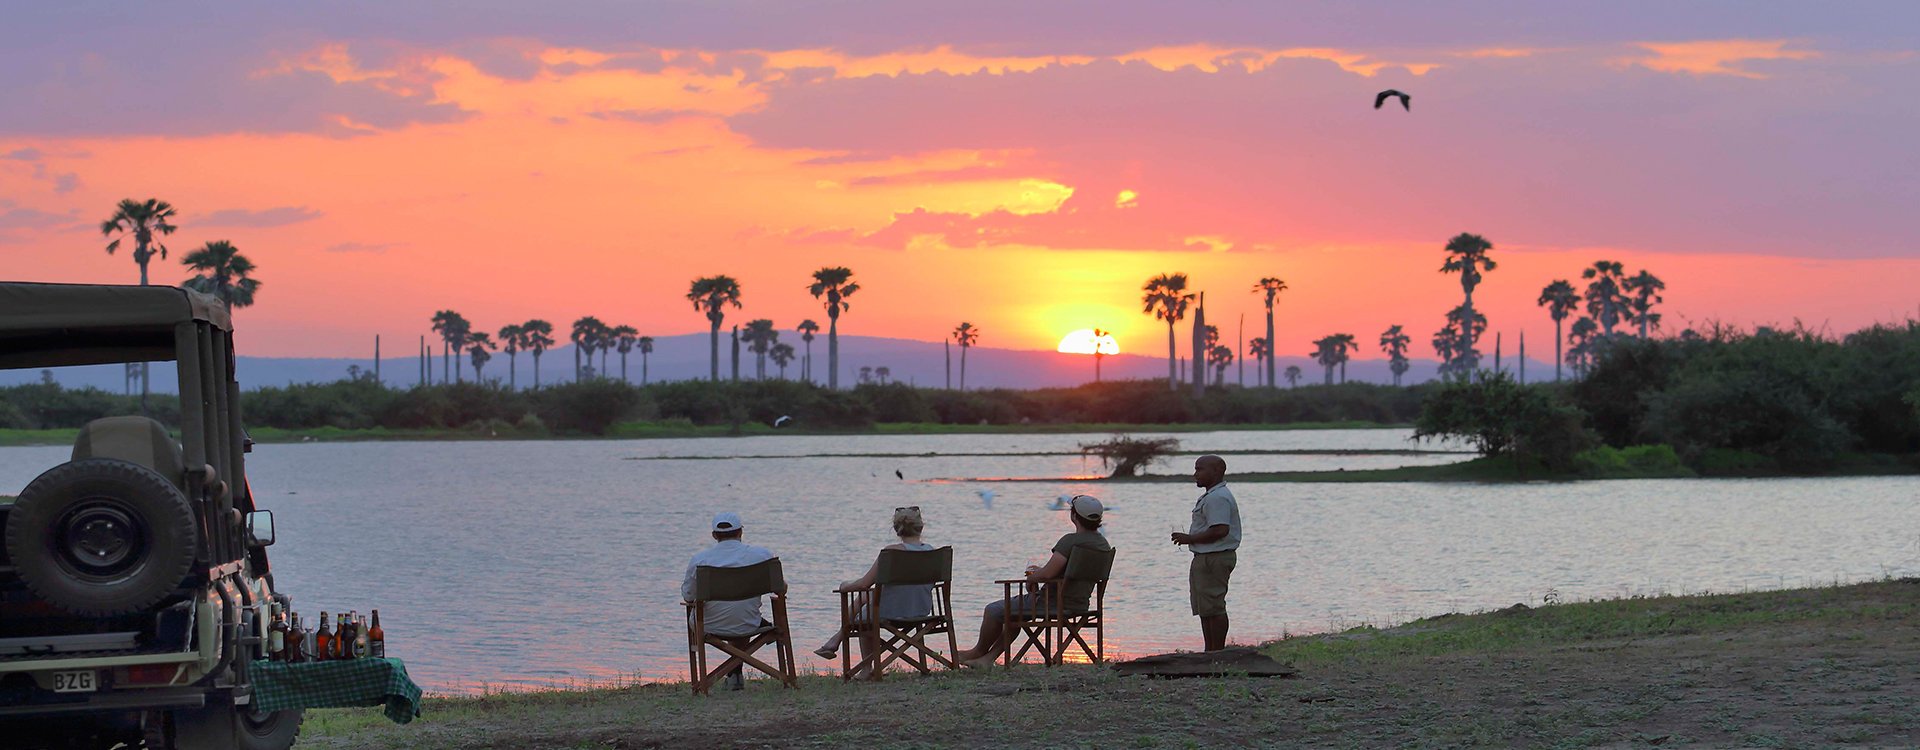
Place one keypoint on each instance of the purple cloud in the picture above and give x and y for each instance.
(379, 248)
(267, 217)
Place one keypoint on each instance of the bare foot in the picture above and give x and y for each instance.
(979, 662)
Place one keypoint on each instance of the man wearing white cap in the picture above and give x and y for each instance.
(735, 618)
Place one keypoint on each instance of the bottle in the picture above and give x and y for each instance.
(343, 638)
(296, 641)
(322, 641)
(362, 642)
(277, 634)
(377, 638)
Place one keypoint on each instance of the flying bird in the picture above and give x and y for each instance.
(986, 497)
(782, 420)
(1406, 102)
(896, 472)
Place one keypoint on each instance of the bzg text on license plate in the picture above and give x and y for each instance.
(76, 681)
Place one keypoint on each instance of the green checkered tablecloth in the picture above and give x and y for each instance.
(279, 686)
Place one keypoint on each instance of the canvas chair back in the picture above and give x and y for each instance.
(711, 584)
(1086, 564)
(899, 567)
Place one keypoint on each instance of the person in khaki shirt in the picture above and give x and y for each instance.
(1213, 538)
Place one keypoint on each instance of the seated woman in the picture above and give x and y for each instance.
(898, 602)
(1086, 512)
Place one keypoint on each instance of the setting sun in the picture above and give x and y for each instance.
(1088, 341)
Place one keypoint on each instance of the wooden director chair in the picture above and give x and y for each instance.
(711, 584)
(904, 641)
(1053, 629)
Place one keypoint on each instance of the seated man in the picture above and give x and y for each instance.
(1086, 512)
(736, 618)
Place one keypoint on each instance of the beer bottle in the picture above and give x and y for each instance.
(362, 644)
(296, 641)
(322, 641)
(377, 638)
(343, 638)
(277, 634)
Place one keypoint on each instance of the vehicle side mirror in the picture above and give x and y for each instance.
(260, 528)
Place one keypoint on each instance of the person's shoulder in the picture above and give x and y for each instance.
(1221, 490)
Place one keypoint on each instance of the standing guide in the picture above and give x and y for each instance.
(1213, 537)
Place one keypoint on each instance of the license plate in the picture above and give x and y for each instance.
(76, 681)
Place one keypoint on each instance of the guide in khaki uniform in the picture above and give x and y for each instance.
(1213, 537)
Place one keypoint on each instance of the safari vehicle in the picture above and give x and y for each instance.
(134, 585)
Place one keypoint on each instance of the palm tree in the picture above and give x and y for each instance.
(1583, 336)
(711, 295)
(454, 330)
(866, 375)
(513, 338)
(1394, 341)
(1560, 301)
(140, 219)
(624, 339)
(782, 355)
(538, 338)
(760, 337)
(1271, 286)
(881, 373)
(223, 274)
(1293, 376)
(1326, 352)
(836, 284)
(585, 337)
(1644, 289)
(1167, 299)
(646, 347)
(1219, 356)
(1467, 256)
(1261, 352)
(807, 329)
(964, 335)
(478, 345)
(1458, 355)
(1606, 301)
(1099, 336)
(1344, 344)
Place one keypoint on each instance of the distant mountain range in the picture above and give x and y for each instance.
(685, 357)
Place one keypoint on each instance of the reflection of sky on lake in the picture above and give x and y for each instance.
(534, 563)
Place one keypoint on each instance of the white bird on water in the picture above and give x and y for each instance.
(1061, 502)
(986, 497)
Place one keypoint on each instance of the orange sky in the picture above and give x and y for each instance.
(1029, 194)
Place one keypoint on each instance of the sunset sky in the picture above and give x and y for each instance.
(1024, 166)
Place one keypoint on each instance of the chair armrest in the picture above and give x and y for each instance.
(1013, 580)
(862, 589)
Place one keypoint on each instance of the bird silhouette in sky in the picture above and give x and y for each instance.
(896, 472)
(1406, 102)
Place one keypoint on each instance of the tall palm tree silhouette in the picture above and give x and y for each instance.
(1467, 256)
(1166, 298)
(142, 220)
(538, 336)
(513, 338)
(1262, 353)
(453, 329)
(1219, 356)
(711, 295)
(1344, 345)
(1270, 286)
(223, 273)
(1293, 376)
(836, 285)
(965, 335)
(645, 343)
(1606, 300)
(1643, 290)
(624, 339)
(1394, 342)
(1100, 338)
(1326, 351)
(585, 336)
(1560, 301)
(760, 336)
(807, 329)
(1584, 336)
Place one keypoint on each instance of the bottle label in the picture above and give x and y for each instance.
(276, 643)
(359, 649)
(379, 649)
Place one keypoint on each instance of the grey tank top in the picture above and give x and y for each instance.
(908, 602)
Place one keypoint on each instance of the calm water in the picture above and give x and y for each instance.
(540, 563)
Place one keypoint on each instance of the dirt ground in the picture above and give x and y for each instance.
(1824, 667)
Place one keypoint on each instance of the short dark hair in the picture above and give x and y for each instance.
(1090, 524)
(734, 534)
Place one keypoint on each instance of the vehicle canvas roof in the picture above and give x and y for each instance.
(50, 325)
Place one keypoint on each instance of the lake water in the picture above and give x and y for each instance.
(524, 564)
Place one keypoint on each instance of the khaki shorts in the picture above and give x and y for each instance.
(1207, 582)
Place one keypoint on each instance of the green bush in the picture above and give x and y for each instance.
(1503, 418)
(1638, 461)
(590, 406)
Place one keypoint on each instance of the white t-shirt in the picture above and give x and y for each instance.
(727, 618)
(1216, 507)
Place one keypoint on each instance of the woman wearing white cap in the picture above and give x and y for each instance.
(1086, 512)
(900, 602)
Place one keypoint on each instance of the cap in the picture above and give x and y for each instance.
(728, 521)
(1088, 507)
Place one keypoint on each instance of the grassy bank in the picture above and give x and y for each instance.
(1772, 669)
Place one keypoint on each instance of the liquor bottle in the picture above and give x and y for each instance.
(277, 634)
(343, 638)
(322, 641)
(362, 641)
(296, 641)
(377, 638)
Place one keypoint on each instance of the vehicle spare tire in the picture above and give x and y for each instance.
(100, 536)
